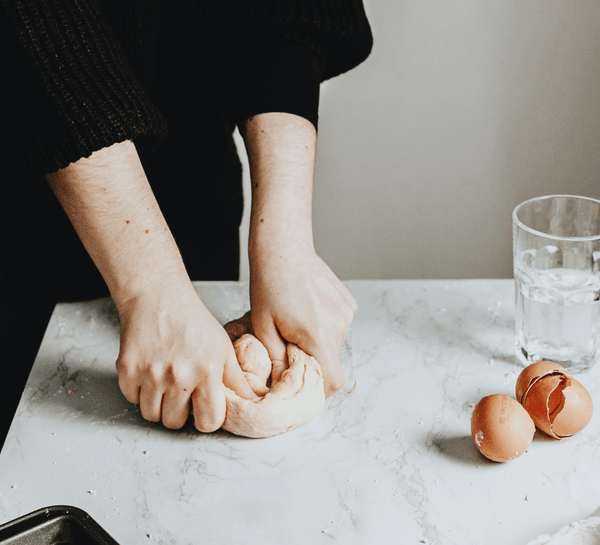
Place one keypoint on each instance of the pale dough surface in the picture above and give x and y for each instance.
(290, 402)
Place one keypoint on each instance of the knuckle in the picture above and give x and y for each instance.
(121, 365)
(125, 368)
(154, 371)
(209, 370)
(176, 375)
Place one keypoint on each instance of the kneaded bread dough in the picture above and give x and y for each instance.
(292, 401)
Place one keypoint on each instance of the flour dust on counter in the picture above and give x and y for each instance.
(389, 457)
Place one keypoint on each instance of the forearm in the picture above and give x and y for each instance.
(111, 205)
(281, 150)
(294, 296)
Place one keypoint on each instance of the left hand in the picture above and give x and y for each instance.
(295, 297)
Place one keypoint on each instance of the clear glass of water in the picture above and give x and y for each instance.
(556, 258)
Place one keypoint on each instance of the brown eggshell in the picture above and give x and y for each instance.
(544, 400)
(559, 405)
(501, 428)
(533, 373)
(576, 413)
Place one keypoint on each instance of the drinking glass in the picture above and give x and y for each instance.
(556, 258)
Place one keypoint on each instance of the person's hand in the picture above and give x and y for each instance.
(174, 353)
(295, 297)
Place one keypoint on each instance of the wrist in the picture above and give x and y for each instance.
(154, 283)
(279, 239)
(154, 291)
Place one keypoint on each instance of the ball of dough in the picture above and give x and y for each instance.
(290, 402)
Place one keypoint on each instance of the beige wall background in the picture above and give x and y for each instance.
(464, 109)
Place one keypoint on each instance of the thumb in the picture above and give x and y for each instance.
(276, 346)
(234, 379)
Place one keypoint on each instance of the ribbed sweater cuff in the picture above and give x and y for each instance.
(279, 76)
(83, 95)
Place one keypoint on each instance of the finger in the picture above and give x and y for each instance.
(151, 403)
(234, 378)
(208, 404)
(175, 408)
(278, 368)
(128, 382)
(266, 332)
(277, 349)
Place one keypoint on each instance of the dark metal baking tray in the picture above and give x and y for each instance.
(55, 525)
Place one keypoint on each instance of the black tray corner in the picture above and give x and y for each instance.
(55, 525)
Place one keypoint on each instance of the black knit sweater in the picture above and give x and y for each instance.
(174, 76)
(81, 75)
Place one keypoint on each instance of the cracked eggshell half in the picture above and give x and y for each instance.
(534, 372)
(559, 405)
(577, 412)
(501, 428)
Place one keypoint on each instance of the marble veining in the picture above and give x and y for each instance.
(389, 459)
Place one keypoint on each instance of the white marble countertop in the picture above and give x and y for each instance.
(389, 459)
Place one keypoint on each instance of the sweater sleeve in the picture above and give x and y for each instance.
(290, 46)
(71, 91)
(279, 76)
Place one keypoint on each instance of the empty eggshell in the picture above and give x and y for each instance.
(532, 373)
(501, 428)
(544, 400)
(577, 412)
(559, 405)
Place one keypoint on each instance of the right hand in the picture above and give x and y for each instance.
(173, 352)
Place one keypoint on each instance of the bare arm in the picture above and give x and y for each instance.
(172, 349)
(294, 295)
(111, 205)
